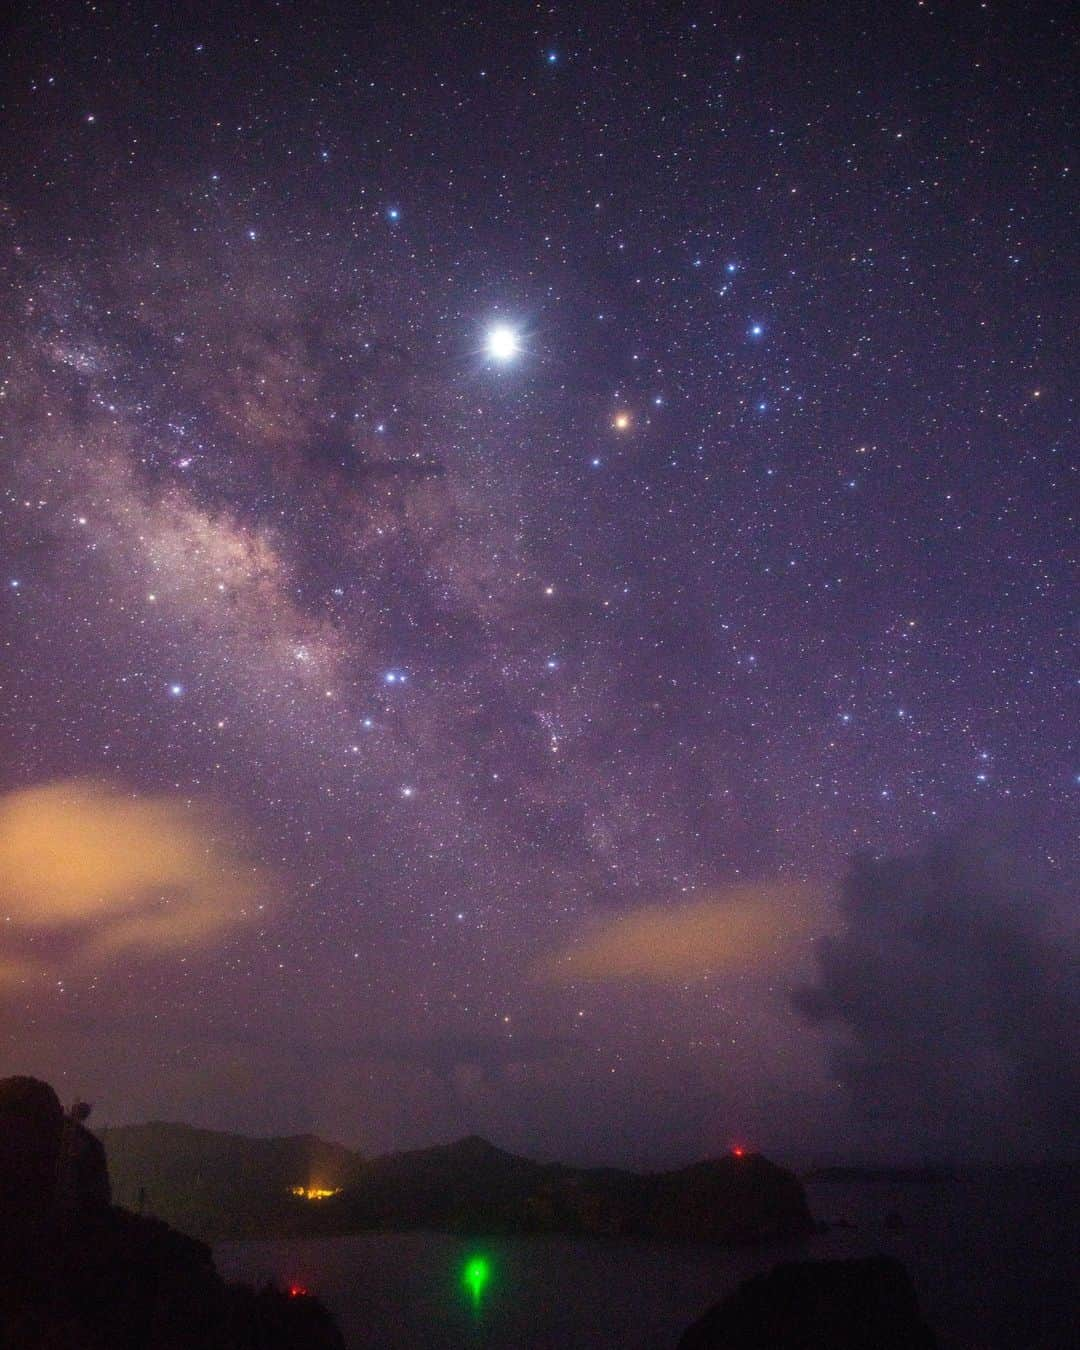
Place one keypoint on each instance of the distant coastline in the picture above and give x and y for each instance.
(889, 1175)
(220, 1186)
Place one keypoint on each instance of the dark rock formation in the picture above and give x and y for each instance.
(731, 1199)
(866, 1304)
(48, 1160)
(77, 1273)
(31, 1124)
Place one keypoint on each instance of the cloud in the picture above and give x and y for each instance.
(14, 972)
(953, 987)
(105, 871)
(741, 926)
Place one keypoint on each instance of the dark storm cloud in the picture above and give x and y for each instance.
(954, 983)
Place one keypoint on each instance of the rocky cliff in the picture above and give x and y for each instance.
(867, 1304)
(78, 1273)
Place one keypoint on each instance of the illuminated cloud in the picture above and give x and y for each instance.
(741, 927)
(12, 973)
(110, 872)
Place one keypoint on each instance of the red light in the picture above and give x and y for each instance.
(297, 1291)
(739, 1151)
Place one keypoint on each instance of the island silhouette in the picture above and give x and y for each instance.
(217, 1186)
(80, 1272)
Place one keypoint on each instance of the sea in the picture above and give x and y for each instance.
(994, 1258)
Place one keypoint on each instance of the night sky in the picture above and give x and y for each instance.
(536, 579)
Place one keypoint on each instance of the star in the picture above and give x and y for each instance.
(359, 443)
(502, 343)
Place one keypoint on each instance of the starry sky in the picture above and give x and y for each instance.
(536, 572)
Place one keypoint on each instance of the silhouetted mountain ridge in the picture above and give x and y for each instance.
(228, 1186)
(210, 1183)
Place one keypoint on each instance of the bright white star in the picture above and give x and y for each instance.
(502, 343)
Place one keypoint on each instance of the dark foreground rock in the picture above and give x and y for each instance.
(818, 1305)
(77, 1273)
(47, 1158)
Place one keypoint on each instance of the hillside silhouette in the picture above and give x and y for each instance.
(220, 1186)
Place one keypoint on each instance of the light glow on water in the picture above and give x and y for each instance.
(475, 1276)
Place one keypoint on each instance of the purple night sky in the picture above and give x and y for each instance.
(536, 580)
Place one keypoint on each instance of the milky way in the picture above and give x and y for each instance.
(499, 481)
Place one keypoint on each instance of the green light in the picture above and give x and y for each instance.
(475, 1277)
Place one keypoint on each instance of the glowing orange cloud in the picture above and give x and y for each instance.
(115, 871)
(14, 972)
(737, 928)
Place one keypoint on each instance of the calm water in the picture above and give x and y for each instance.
(995, 1265)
